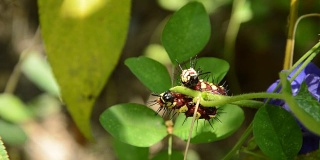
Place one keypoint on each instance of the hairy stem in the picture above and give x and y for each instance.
(217, 100)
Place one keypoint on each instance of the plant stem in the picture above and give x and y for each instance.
(242, 139)
(258, 156)
(315, 50)
(249, 103)
(14, 78)
(230, 38)
(169, 146)
(290, 39)
(307, 57)
(15, 75)
(191, 128)
(217, 100)
(208, 99)
(186, 91)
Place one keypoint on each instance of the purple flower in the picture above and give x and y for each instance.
(311, 75)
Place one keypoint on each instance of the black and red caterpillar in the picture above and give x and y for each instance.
(180, 103)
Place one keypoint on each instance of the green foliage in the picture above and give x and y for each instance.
(217, 68)
(12, 134)
(187, 32)
(184, 36)
(125, 151)
(83, 45)
(227, 122)
(304, 106)
(276, 132)
(39, 72)
(3, 152)
(151, 73)
(210, 5)
(12, 109)
(134, 124)
(175, 155)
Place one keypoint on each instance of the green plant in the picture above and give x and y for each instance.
(185, 34)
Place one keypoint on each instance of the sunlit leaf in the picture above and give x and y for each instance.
(243, 12)
(216, 67)
(134, 124)
(158, 53)
(39, 72)
(83, 41)
(12, 109)
(227, 122)
(151, 73)
(187, 32)
(277, 133)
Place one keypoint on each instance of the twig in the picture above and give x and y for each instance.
(191, 128)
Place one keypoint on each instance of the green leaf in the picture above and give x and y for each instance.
(39, 72)
(151, 73)
(304, 106)
(12, 134)
(12, 109)
(231, 119)
(134, 124)
(83, 42)
(187, 32)
(175, 155)
(3, 152)
(308, 109)
(218, 68)
(277, 133)
(44, 105)
(128, 152)
(210, 5)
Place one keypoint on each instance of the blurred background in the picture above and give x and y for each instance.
(258, 57)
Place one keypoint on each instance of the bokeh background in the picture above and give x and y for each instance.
(258, 57)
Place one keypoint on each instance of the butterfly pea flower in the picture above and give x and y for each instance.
(311, 76)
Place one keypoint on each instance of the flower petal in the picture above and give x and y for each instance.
(313, 83)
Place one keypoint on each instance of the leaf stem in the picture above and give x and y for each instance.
(313, 53)
(186, 91)
(249, 103)
(169, 146)
(209, 99)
